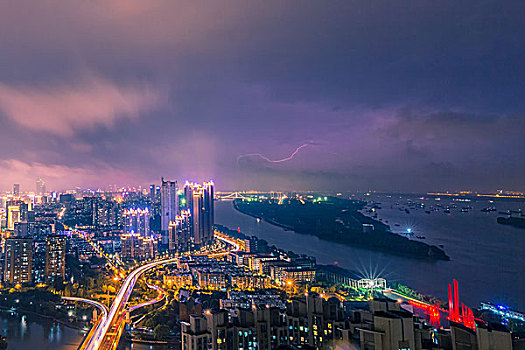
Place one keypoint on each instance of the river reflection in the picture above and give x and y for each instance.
(31, 332)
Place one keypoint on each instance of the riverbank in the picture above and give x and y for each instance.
(338, 221)
(50, 318)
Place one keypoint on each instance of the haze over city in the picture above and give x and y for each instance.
(393, 96)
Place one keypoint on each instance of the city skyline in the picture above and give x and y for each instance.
(262, 175)
(118, 236)
(393, 97)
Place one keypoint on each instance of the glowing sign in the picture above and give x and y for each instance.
(376, 283)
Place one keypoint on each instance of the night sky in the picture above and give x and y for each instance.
(386, 95)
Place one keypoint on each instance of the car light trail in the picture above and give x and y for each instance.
(117, 307)
(98, 339)
(160, 295)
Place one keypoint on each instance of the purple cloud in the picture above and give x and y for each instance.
(395, 96)
(60, 108)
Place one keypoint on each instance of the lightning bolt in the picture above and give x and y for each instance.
(290, 157)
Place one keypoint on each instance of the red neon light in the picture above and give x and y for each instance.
(456, 299)
(466, 317)
(418, 304)
(431, 310)
(450, 303)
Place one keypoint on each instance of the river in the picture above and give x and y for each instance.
(30, 332)
(487, 259)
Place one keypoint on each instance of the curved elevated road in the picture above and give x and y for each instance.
(161, 294)
(96, 304)
(103, 316)
(106, 335)
(100, 339)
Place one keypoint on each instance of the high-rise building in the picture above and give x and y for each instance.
(169, 205)
(55, 257)
(196, 217)
(24, 210)
(157, 194)
(24, 228)
(180, 232)
(67, 199)
(199, 200)
(31, 216)
(136, 247)
(130, 248)
(188, 195)
(137, 221)
(208, 210)
(18, 260)
(149, 247)
(13, 216)
(253, 328)
(100, 212)
(152, 193)
(251, 245)
(40, 186)
(108, 215)
(392, 329)
(16, 190)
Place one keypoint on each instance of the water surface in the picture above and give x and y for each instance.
(487, 259)
(30, 332)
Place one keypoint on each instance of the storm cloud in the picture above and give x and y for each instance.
(402, 96)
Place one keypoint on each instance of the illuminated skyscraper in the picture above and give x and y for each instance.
(188, 195)
(180, 232)
(136, 247)
(199, 200)
(13, 216)
(169, 203)
(55, 257)
(157, 193)
(18, 260)
(137, 221)
(130, 245)
(16, 190)
(40, 186)
(152, 193)
(25, 208)
(101, 213)
(197, 217)
(208, 210)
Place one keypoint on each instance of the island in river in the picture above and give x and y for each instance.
(512, 221)
(337, 220)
